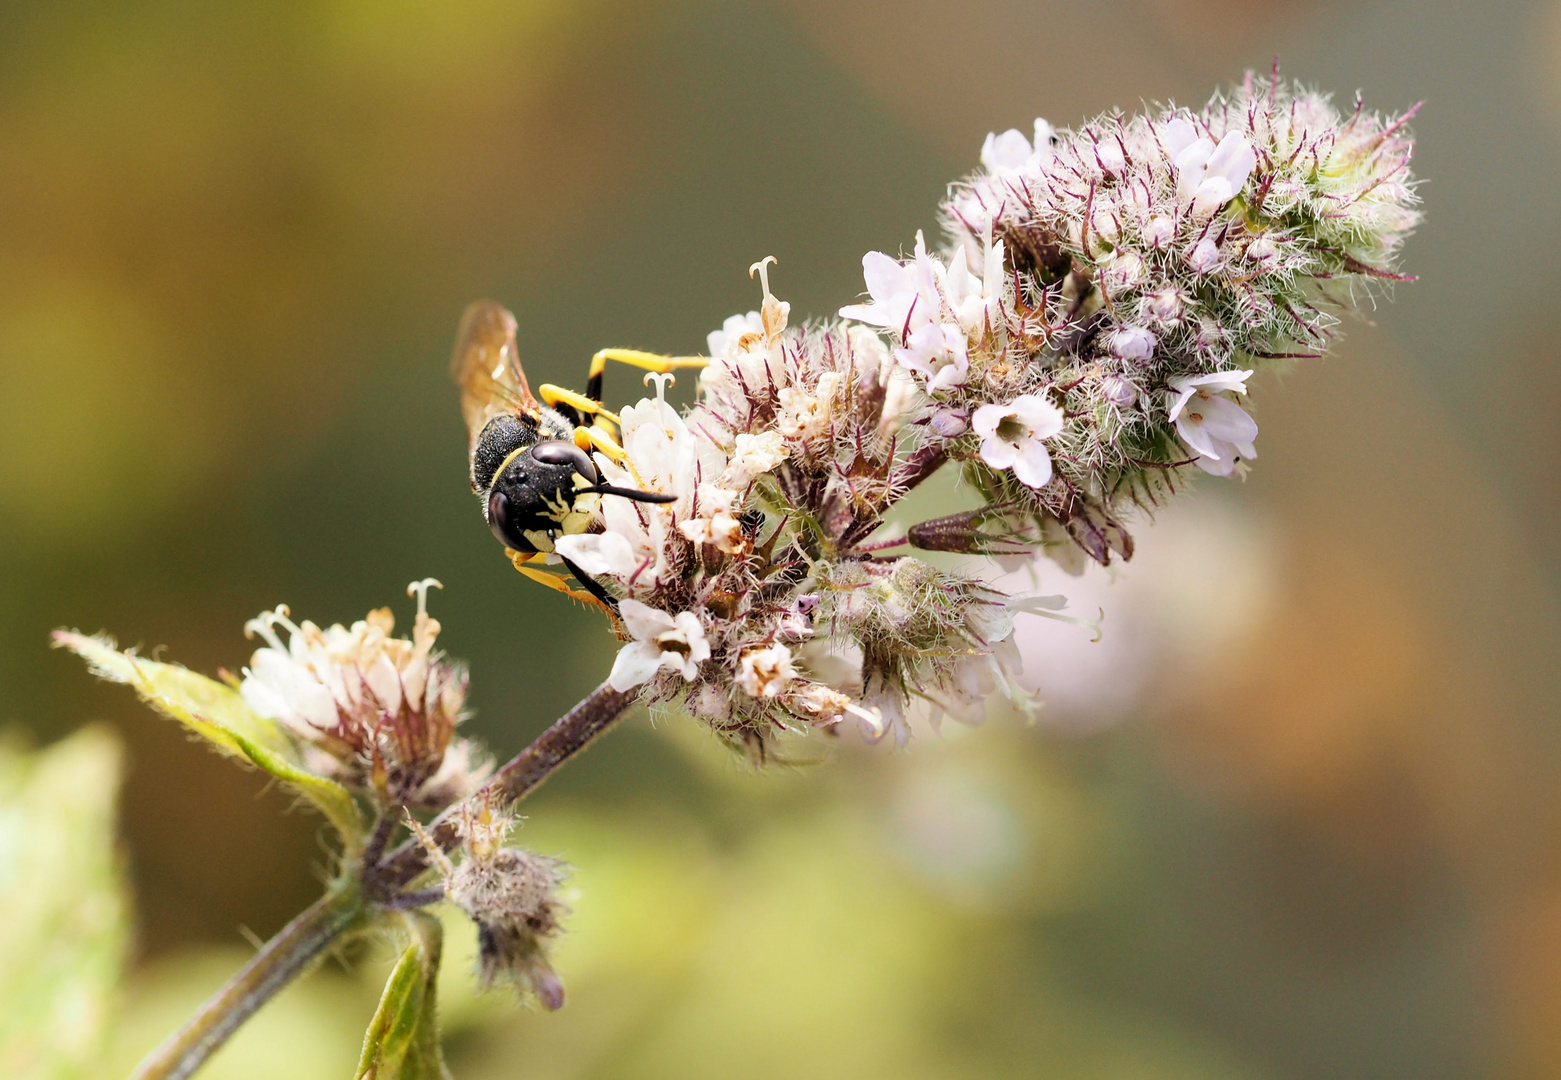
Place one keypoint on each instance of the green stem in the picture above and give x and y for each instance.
(291, 952)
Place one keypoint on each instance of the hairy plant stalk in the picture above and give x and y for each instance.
(291, 952)
(570, 734)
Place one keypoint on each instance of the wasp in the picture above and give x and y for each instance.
(531, 460)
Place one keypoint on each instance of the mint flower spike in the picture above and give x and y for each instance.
(1145, 261)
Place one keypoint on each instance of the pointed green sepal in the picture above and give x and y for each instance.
(220, 715)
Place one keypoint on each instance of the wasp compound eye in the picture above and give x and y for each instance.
(499, 522)
(558, 452)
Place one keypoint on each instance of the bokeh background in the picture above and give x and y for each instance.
(1296, 815)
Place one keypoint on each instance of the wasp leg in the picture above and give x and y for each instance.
(648, 361)
(594, 438)
(592, 586)
(585, 406)
(522, 560)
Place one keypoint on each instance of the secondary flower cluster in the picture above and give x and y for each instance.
(374, 712)
(1110, 290)
(759, 580)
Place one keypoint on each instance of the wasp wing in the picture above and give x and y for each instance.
(487, 368)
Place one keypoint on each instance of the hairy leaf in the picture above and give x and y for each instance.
(402, 1041)
(220, 715)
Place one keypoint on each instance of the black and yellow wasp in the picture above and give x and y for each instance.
(531, 460)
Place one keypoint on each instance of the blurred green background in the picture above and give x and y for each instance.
(1296, 815)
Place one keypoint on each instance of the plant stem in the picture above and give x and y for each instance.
(295, 947)
(570, 734)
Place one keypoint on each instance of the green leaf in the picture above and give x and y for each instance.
(63, 937)
(402, 1041)
(219, 714)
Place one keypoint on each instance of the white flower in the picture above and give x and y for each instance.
(665, 457)
(1133, 343)
(937, 351)
(1207, 176)
(600, 553)
(904, 297)
(746, 351)
(1012, 434)
(327, 680)
(353, 692)
(805, 415)
(753, 455)
(977, 302)
(1215, 428)
(715, 524)
(660, 641)
(1011, 150)
(766, 672)
(737, 334)
(974, 677)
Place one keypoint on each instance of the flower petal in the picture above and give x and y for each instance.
(1033, 465)
(998, 454)
(1226, 420)
(985, 420)
(599, 553)
(644, 621)
(636, 663)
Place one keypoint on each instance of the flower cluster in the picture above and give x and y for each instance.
(760, 579)
(1108, 291)
(375, 712)
(1089, 334)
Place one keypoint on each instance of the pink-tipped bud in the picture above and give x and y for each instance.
(1119, 391)
(1160, 231)
(1132, 343)
(950, 423)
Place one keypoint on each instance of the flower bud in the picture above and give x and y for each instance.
(1160, 231)
(1204, 256)
(1118, 391)
(1132, 343)
(1165, 305)
(950, 423)
(1263, 251)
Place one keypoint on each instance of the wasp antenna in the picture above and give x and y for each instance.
(631, 493)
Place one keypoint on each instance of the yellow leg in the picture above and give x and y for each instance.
(522, 562)
(555, 395)
(594, 438)
(648, 361)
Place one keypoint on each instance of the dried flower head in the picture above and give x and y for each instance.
(512, 896)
